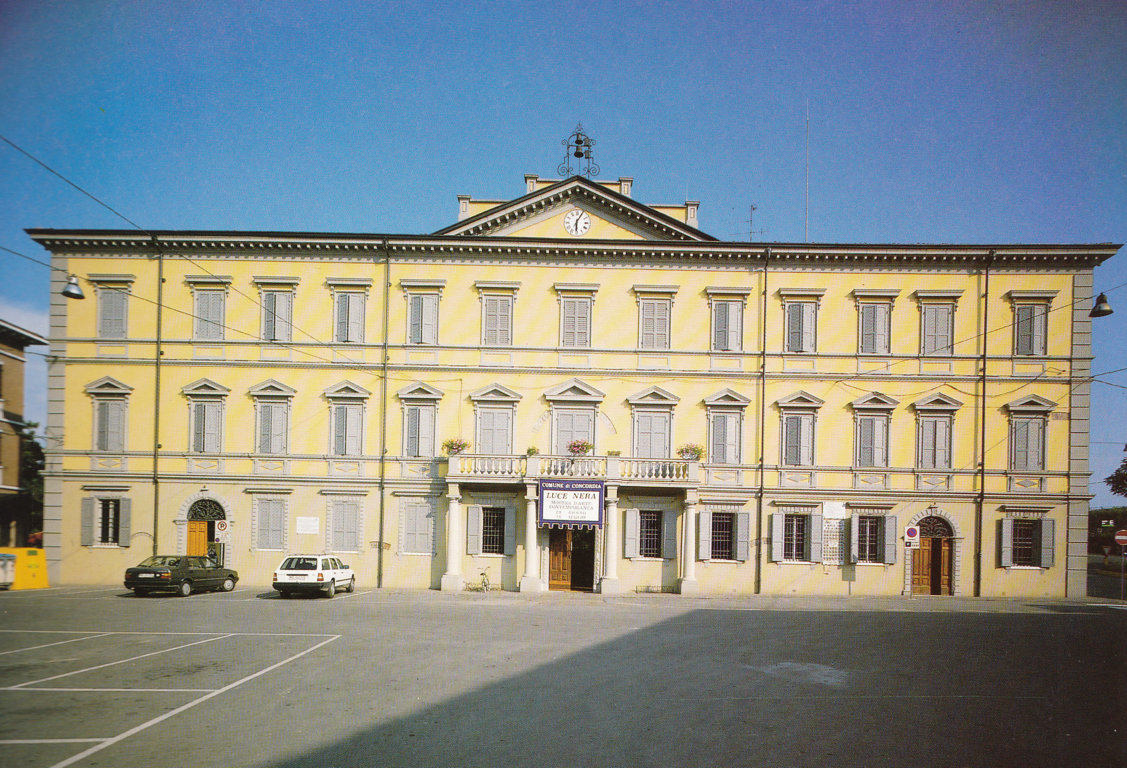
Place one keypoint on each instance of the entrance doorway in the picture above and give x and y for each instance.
(931, 563)
(202, 516)
(571, 559)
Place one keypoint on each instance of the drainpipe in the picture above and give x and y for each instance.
(383, 413)
(980, 506)
(156, 396)
(762, 427)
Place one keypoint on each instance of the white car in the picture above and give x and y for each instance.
(313, 573)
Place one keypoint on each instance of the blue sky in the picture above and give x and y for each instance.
(929, 122)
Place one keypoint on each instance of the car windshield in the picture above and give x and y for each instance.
(160, 561)
(300, 564)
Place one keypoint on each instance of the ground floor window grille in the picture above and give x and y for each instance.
(869, 547)
(493, 531)
(1023, 545)
(722, 527)
(109, 521)
(794, 537)
(649, 533)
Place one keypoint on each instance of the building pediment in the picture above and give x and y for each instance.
(874, 401)
(937, 402)
(107, 385)
(605, 215)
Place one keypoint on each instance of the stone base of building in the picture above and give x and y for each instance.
(451, 582)
(688, 587)
(610, 586)
(530, 584)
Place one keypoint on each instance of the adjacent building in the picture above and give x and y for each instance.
(16, 506)
(575, 390)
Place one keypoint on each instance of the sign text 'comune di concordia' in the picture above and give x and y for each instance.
(571, 502)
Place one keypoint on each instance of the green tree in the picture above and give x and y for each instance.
(1117, 480)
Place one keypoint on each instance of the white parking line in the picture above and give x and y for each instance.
(113, 690)
(50, 741)
(125, 735)
(112, 663)
(61, 642)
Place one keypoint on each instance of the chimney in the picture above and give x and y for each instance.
(624, 184)
(463, 207)
(530, 180)
(691, 213)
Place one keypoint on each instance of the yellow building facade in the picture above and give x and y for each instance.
(573, 390)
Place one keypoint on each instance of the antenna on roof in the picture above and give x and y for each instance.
(751, 230)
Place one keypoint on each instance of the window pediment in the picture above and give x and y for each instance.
(727, 398)
(419, 391)
(205, 388)
(937, 402)
(108, 386)
(874, 401)
(654, 396)
(574, 390)
(799, 400)
(494, 393)
(346, 390)
(1031, 404)
(271, 388)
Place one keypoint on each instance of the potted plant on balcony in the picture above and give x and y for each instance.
(454, 446)
(532, 451)
(691, 451)
(579, 447)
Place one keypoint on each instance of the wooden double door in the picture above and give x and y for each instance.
(931, 567)
(571, 559)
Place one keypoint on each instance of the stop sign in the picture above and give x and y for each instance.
(1121, 538)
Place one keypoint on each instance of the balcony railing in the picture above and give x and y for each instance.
(678, 472)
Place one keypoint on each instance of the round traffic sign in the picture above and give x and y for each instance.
(1121, 538)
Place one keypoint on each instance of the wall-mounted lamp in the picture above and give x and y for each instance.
(1101, 308)
(72, 290)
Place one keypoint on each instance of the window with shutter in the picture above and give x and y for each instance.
(872, 440)
(654, 323)
(1030, 327)
(273, 420)
(727, 325)
(1027, 437)
(112, 306)
(575, 322)
(422, 321)
(345, 536)
(651, 434)
(938, 327)
(207, 426)
(277, 315)
(724, 443)
(417, 526)
(418, 430)
(572, 424)
(209, 315)
(271, 523)
(934, 442)
(798, 439)
(109, 424)
(874, 330)
(494, 431)
(650, 533)
(497, 320)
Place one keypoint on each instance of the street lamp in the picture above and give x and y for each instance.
(1101, 308)
(72, 290)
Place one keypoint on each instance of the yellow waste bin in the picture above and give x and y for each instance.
(30, 568)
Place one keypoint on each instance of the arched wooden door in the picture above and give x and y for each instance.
(201, 526)
(932, 562)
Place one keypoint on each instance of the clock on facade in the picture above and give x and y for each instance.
(577, 222)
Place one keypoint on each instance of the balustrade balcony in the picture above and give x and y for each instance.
(677, 473)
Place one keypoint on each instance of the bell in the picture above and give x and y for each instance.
(1101, 308)
(578, 151)
(72, 290)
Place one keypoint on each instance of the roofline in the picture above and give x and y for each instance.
(32, 338)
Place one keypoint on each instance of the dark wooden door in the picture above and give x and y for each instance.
(559, 558)
(931, 567)
(583, 559)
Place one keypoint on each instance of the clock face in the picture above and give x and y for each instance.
(577, 222)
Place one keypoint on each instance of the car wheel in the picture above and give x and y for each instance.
(351, 584)
(184, 589)
(331, 589)
(140, 592)
(228, 584)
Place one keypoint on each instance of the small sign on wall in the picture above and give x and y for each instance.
(309, 525)
(571, 502)
(912, 537)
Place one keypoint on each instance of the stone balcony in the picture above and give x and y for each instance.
(662, 473)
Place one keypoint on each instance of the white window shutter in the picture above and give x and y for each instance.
(814, 539)
(890, 539)
(807, 441)
(1006, 548)
(125, 522)
(355, 317)
(669, 535)
(1047, 542)
(942, 443)
(792, 439)
(408, 525)
(631, 534)
(510, 532)
(473, 529)
(88, 521)
(212, 422)
(704, 535)
(426, 431)
(340, 430)
(415, 321)
(720, 323)
(413, 419)
(1039, 318)
(741, 535)
(265, 428)
(883, 323)
(354, 430)
(342, 317)
(796, 328)
(1023, 329)
(430, 319)
(778, 521)
(854, 537)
